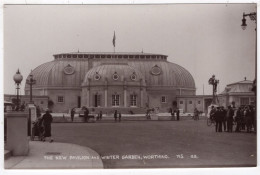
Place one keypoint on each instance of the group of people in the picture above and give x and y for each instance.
(42, 125)
(117, 115)
(175, 113)
(244, 117)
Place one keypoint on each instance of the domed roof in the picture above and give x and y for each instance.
(72, 72)
(63, 73)
(113, 72)
(164, 73)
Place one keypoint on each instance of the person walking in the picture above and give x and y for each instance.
(46, 121)
(230, 114)
(72, 113)
(115, 115)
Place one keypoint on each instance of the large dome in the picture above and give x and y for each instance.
(73, 69)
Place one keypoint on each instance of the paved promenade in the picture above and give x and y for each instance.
(55, 155)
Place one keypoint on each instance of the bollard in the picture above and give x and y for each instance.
(17, 139)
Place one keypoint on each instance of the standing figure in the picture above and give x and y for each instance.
(238, 120)
(224, 117)
(230, 114)
(46, 121)
(72, 113)
(218, 117)
(178, 114)
(86, 115)
(115, 115)
(248, 119)
(38, 111)
(119, 116)
(100, 115)
(196, 114)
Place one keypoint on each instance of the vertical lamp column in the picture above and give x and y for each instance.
(17, 79)
(31, 82)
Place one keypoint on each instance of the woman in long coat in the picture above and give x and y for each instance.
(46, 121)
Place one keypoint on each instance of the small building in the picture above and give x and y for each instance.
(238, 93)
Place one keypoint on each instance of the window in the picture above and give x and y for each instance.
(190, 102)
(181, 102)
(133, 100)
(60, 99)
(163, 99)
(115, 100)
(244, 101)
(198, 102)
(97, 100)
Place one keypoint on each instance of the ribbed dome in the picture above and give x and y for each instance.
(72, 72)
(170, 74)
(113, 72)
(54, 73)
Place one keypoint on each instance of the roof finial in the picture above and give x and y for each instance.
(245, 78)
(78, 50)
(142, 50)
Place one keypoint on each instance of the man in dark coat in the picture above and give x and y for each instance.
(218, 118)
(72, 113)
(86, 114)
(115, 115)
(230, 114)
(46, 121)
(238, 120)
(178, 114)
(224, 117)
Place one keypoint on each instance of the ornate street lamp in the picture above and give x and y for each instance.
(31, 82)
(17, 79)
(214, 82)
(252, 16)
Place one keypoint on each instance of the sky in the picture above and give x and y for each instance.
(205, 39)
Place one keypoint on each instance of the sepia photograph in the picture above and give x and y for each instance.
(129, 86)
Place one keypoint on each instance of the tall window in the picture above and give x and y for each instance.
(115, 100)
(163, 99)
(133, 100)
(60, 99)
(97, 100)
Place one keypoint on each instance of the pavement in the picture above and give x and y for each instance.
(55, 155)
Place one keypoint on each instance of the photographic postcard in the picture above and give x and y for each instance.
(144, 86)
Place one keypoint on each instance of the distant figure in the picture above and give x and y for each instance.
(172, 114)
(119, 116)
(100, 115)
(72, 113)
(23, 106)
(86, 115)
(178, 114)
(46, 121)
(115, 115)
(196, 114)
(230, 114)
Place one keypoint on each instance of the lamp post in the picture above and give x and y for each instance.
(253, 17)
(214, 82)
(17, 79)
(31, 82)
